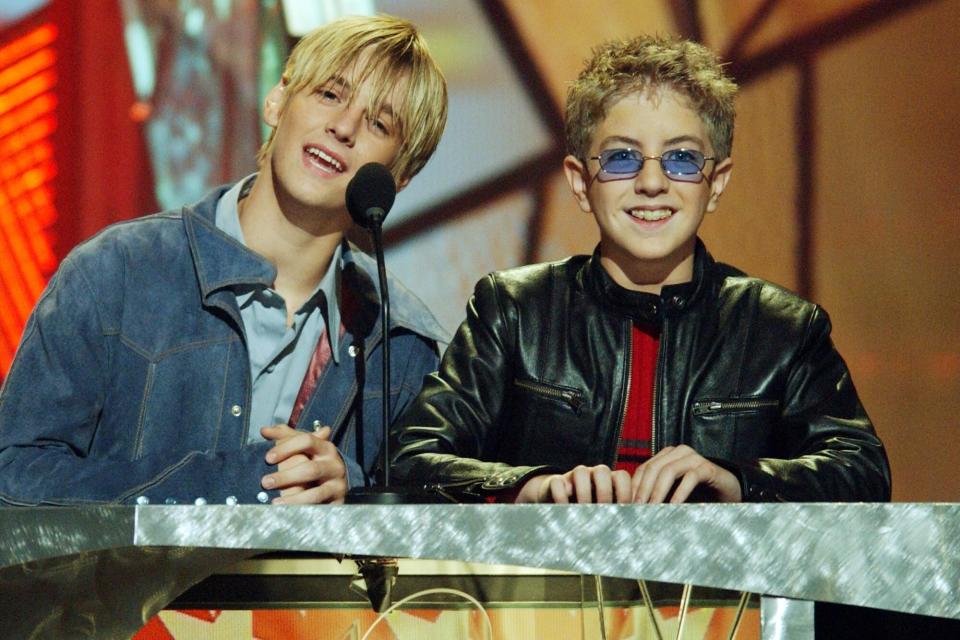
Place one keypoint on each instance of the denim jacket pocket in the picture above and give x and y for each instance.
(193, 398)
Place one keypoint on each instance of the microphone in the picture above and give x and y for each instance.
(370, 194)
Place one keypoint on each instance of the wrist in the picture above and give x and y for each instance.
(530, 491)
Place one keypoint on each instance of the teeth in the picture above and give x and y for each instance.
(320, 155)
(646, 214)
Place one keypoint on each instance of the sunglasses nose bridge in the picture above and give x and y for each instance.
(653, 179)
(642, 163)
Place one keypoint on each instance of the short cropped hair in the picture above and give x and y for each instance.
(398, 57)
(621, 67)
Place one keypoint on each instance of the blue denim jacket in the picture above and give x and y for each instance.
(132, 377)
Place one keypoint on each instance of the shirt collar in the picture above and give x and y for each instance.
(227, 219)
(228, 210)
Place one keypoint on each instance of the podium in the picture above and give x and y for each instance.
(102, 571)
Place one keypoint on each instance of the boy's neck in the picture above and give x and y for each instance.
(300, 244)
(648, 276)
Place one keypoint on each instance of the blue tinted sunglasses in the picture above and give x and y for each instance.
(684, 165)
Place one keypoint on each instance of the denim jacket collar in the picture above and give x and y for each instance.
(221, 261)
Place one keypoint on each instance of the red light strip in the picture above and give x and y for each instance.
(27, 170)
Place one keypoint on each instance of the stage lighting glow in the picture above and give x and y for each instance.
(27, 122)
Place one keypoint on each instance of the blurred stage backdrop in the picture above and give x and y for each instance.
(844, 187)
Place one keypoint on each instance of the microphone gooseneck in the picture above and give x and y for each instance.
(370, 194)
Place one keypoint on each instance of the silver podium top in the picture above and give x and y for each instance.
(902, 557)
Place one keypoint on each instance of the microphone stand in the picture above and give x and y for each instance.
(384, 493)
(379, 574)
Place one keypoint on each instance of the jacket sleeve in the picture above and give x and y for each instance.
(834, 452)
(50, 405)
(446, 437)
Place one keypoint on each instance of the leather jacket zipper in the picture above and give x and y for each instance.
(573, 398)
(722, 406)
(658, 373)
(626, 396)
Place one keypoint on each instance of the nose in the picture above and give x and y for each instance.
(651, 180)
(345, 122)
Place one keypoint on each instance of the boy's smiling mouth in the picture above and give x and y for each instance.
(323, 160)
(651, 215)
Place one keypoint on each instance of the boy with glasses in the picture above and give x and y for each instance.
(646, 372)
(218, 353)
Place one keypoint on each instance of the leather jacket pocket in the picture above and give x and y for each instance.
(733, 428)
(565, 395)
(733, 405)
(547, 425)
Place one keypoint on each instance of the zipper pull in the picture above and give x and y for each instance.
(700, 408)
(574, 400)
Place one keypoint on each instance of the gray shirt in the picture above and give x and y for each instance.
(279, 355)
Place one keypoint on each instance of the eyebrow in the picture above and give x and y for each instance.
(386, 109)
(636, 143)
(340, 81)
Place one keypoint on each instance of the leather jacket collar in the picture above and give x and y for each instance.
(645, 307)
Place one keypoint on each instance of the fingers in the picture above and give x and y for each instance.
(687, 484)
(602, 484)
(675, 472)
(277, 432)
(309, 467)
(289, 491)
(648, 474)
(622, 489)
(309, 471)
(608, 486)
(583, 482)
(299, 442)
(331, 492)
(585, 485)
(558, 490)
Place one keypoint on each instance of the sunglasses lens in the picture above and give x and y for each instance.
(620, 161)
(683, 164)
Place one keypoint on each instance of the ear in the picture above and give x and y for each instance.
(273, 104)
(721, 176)
(402, 184)
(577, 178)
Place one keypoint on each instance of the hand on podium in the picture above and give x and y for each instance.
(672, 476)
(581, 484)
(309, 467)
(675, 472)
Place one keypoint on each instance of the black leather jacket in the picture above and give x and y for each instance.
(536, 378)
